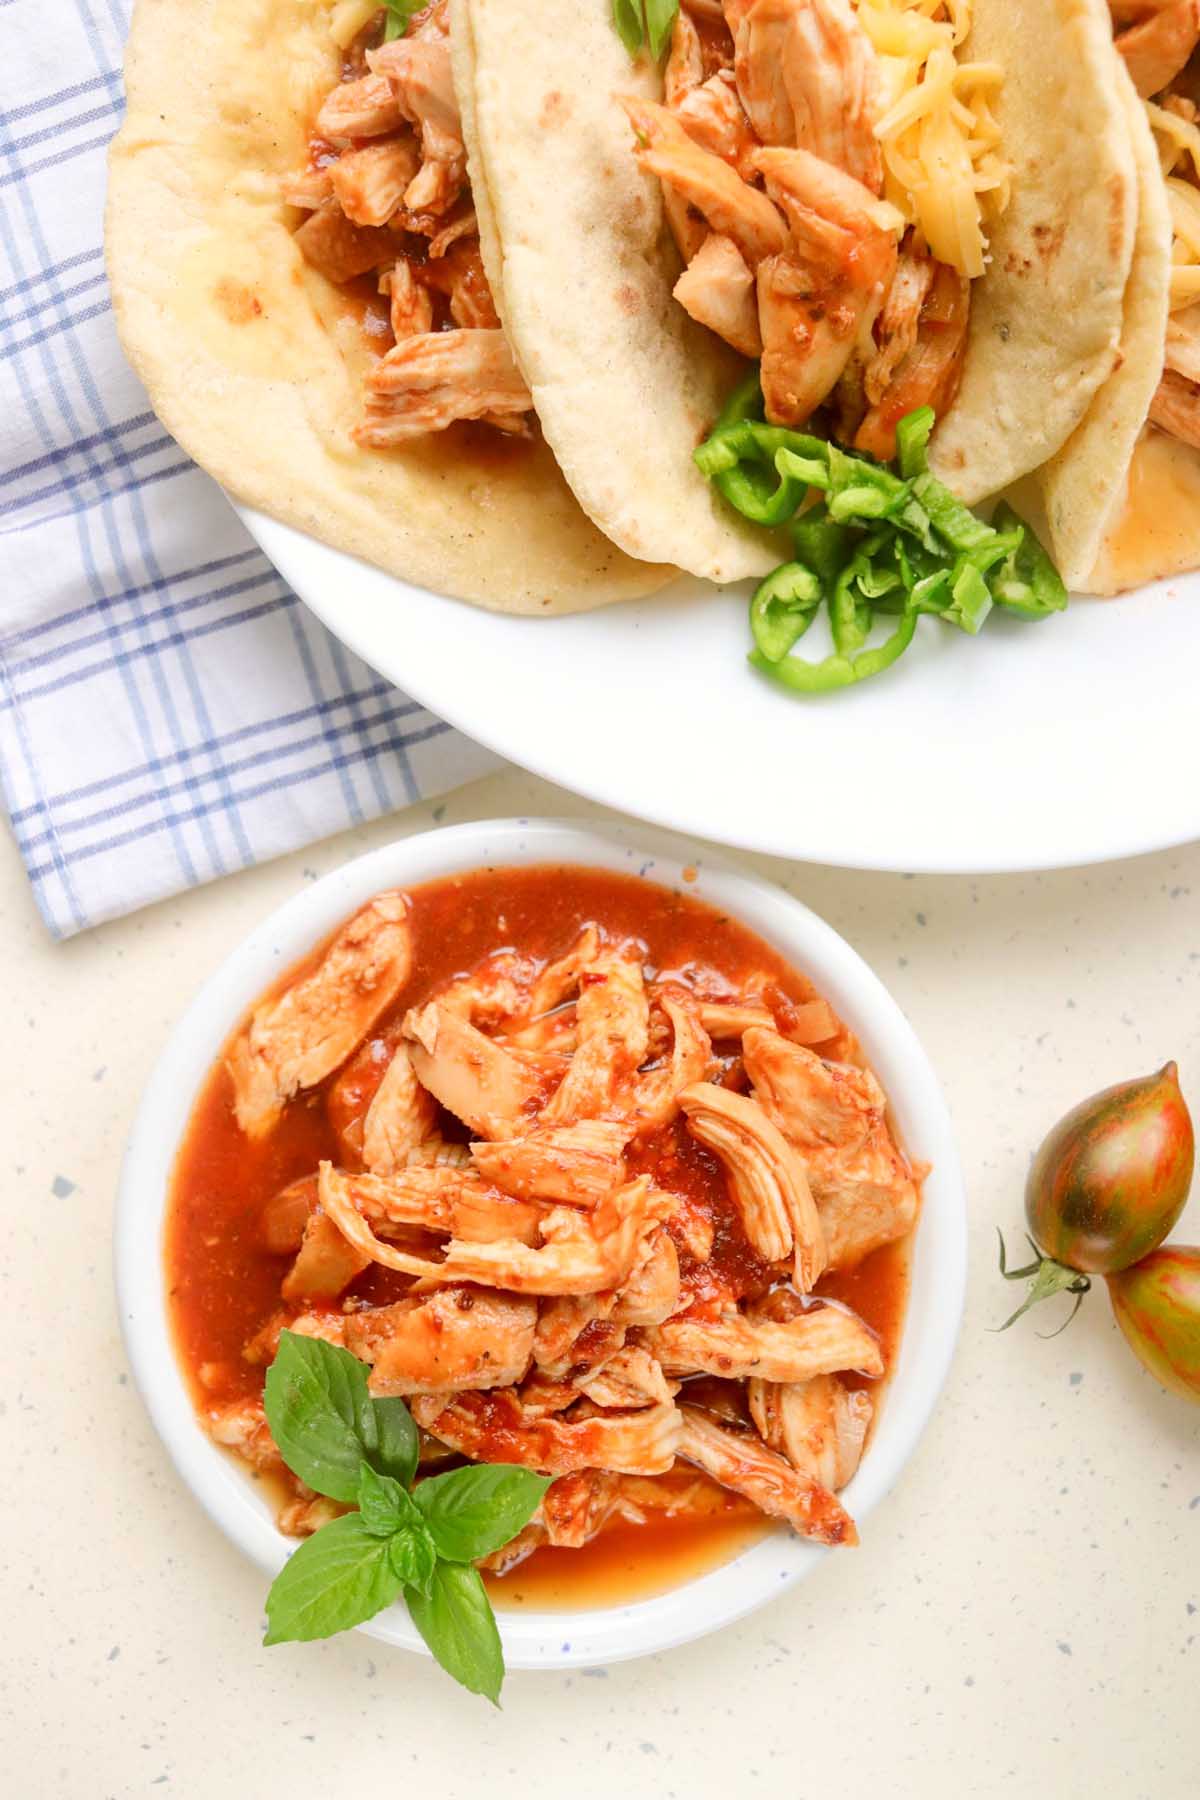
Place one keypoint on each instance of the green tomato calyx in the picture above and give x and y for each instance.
(1046, 1278)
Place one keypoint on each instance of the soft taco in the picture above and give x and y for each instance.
(295, 267)
(1122, 498)
(887, 204)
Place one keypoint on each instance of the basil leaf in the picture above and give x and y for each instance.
(319, 1413)
(337, 1578)
(413, 1557)
(457, 1622)
(385, 1506)
(471, 1512)
(660, 20)
(631, 27)
(398, 1441)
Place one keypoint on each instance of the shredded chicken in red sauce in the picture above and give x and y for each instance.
(588, 1205)
(772, 179)
(387, 196)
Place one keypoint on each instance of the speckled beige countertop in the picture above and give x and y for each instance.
(1023, 1617)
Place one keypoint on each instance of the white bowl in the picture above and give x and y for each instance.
(559, 1639)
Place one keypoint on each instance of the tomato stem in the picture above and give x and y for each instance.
(1046, 1278)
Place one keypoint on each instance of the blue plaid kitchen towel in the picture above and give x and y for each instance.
(169, 711)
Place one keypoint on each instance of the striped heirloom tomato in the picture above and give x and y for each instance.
(1106, 1186)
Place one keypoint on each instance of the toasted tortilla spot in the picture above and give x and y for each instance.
(1049, 240)
(239, 303)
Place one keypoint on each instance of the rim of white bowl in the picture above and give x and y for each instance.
(548, 1639)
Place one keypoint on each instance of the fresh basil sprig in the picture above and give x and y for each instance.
(420, 1541)
(639, 21)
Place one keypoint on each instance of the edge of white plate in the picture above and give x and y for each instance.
(292, 552)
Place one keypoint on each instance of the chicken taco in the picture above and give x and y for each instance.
(887, 204)
(297, 277)
(1122, 499)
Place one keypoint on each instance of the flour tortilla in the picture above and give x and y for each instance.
(582, 266)
(625, 383)
(254, 361)
(1046, 318)
(1083, 486)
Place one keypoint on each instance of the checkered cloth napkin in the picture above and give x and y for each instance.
(168, 710)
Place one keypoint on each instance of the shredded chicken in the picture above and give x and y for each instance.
(575, 1507)
(484, 1085)
(1160, 43)
(339, 249)
(417, 70)
(325, 1264)
(650, 1293)
(769, 149)
(630, 1377)
(729, 204)
(286, 1214)
(1175, 407)
(816, 298)
(493, 1428)
(767, 1178)
(578, 1164)
(685, 60)
(399, 1119)
(369, 183)
(424, 383)
(717, 289)
(817, 1342)
(725, 1019)
(447, 1201)
(241, 1425)
(387, 164)
(307, 188)
(928, 371)
(835, 1116)
(712, 116)
(582, 1253)
(1183, 343)
(294, 1042)
(460, 1337)
(545, 1319)
(263, 1346)
(655, 1097)
(611, 1020)
(807, 75)
(819, 1425)
(365, 108)
(741, 1461)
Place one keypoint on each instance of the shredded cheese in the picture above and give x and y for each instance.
(1179, 146)
(941, 143)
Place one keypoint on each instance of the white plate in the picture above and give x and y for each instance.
(236, 1503)
(1036, 746)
